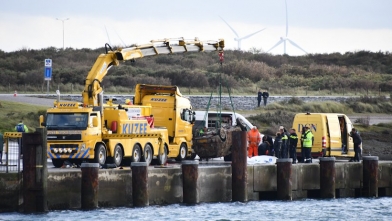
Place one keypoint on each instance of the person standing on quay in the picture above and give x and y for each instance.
(278, 145)
(307, 143)
(265, 97)
(284, 152)
(1, 148)
(253, 142)
(357, 144)
(293, 140)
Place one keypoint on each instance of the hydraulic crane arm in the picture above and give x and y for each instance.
(156, 47)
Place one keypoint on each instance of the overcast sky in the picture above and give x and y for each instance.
(317, 26)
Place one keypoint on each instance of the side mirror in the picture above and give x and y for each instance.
(41, 121)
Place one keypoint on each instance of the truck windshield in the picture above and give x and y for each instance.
(66, 121)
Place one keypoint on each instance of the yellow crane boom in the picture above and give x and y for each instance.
(156, 47)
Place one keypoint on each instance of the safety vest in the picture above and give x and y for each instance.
(308, 137)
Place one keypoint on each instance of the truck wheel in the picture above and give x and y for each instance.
(162, 158)
(183, 152)
(136, 153)
(147, 154)
(117, 155)
(57, 163)
(100, 154)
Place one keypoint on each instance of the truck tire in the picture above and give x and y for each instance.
(117, 156)
(136, 153)
(147, 154)
(57, 163)
(162, 158)
(182, 153)
(100, 154)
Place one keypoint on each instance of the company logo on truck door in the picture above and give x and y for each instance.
(135, 128)
(313, 127)
(158, 99)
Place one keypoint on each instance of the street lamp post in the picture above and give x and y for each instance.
(63, 20)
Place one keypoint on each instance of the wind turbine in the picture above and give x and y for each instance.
(238, 39)
(284, 39)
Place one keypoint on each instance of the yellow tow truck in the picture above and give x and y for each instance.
(107, 133)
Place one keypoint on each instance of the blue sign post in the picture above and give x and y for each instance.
(48, 72)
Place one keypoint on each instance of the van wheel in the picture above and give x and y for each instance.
(222, 134)
(183, 152)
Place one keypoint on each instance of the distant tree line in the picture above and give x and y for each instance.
(247, 70)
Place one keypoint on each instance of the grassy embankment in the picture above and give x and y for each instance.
(12, 112)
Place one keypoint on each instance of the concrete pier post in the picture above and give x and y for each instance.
(90, 185)
(190, 174)
(283, 179)
(370, 176)
(35, 171)
(327, 177)
(239, 167)
(139, 184)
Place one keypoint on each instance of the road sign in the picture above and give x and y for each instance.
(48, 73)
(48, 62)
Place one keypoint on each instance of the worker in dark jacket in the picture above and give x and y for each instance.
(284, 151)
(293, 140)
(278, 145)
(265, 97)
(264, 147)
(357, 144)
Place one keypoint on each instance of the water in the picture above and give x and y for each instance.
(307, 209)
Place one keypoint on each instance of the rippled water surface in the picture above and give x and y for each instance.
(308, 209)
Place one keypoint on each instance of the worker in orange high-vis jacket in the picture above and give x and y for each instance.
(254, 139)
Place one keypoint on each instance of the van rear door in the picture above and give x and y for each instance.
(335, 140)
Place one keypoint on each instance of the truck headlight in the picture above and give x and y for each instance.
(69, 150)
(83, 147)
(55, 150)
(60, 150)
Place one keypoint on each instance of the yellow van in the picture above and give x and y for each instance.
(330, 131)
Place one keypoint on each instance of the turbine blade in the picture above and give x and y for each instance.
(252, 34)
(120, 39)
(229, 26)
(287, 20)
(279, 42)
(294, 44)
